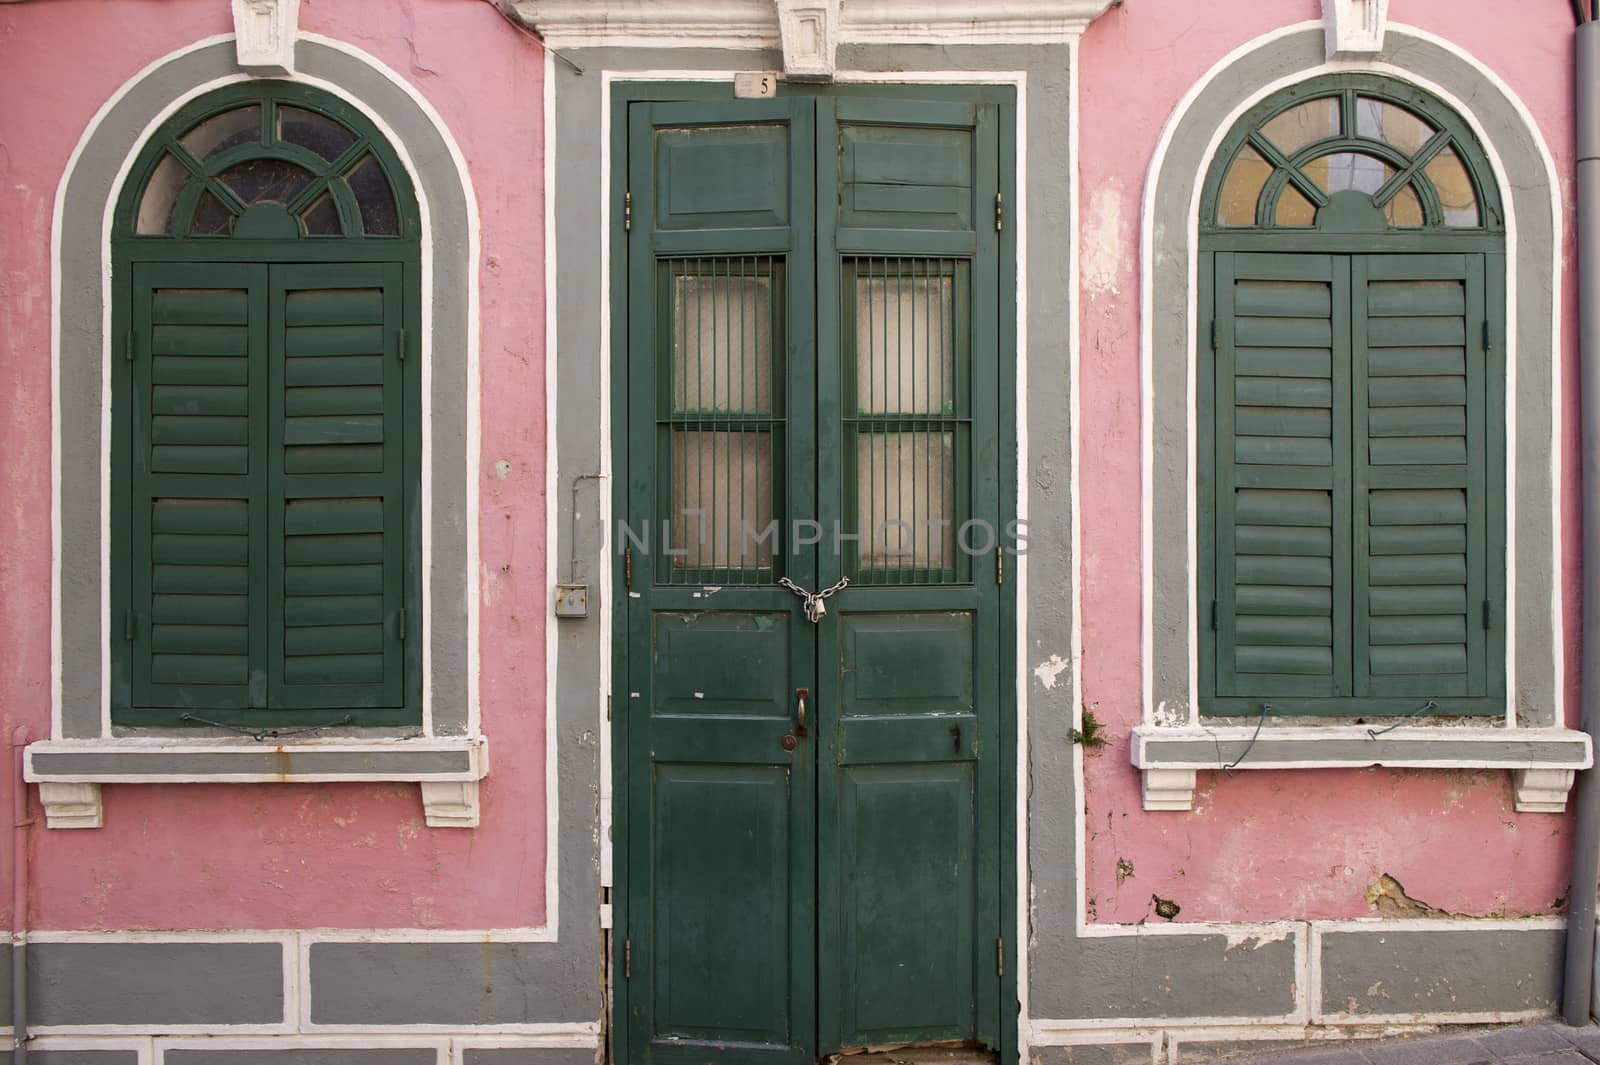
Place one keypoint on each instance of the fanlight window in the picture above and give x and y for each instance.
(269, 169)
(1374, 161)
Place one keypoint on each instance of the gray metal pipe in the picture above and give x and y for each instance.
(1579, 986)
(19, 899)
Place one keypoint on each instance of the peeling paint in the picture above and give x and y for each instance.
(1254, 938)
(1048, 670)
(1102, 249)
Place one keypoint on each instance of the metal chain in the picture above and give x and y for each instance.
(259, 735)
(815, 611)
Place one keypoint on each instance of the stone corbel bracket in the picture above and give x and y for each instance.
(1354, 27)
(1543, 761)
(70, 772)
(263, 33)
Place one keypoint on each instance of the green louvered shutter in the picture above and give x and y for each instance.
(1421, 491)
(1281, 477)
(197, 421)
(338, 516)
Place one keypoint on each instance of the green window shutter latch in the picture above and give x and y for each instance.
(128, 350)
(129, 625)
(400, 626)
(403, 340)
(1488, 614)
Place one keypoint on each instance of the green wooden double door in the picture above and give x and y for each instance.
(811, 815)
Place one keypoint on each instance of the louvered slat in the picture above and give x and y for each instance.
(1281, 581)
(194, 485)
(337, 471)
(1419, 476)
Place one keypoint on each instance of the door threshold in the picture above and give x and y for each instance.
(938, 1054)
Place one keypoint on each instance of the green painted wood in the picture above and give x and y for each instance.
(903, 761)
(1349, 516)
(718, 951)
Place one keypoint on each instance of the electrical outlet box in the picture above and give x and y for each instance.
(572, 600)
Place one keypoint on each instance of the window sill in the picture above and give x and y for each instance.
(69, 772)
(1543, 761)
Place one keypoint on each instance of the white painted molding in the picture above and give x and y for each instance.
(71, 805)
(810, 32)
(1542, 791)
(452, 804)
(1354, 27)
(1543, 760)
(264, 33)
(1168, 789)
(755, 23)
(69, 772)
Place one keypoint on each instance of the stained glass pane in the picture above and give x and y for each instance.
(1405, 209)
(155, 206)
(1395, 126)
(1294, 209)
(722, 338)
(1242, 187)
(1303, 124)
(905, 347)
(316, 132)
(218, 133)
(1348, 170)
(258, 180)
(379, 215)
(1451, 181)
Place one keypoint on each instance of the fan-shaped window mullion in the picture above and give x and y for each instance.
(345, 201)
(1281, 165)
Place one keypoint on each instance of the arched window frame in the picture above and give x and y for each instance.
(1350, 226)
(264, 232)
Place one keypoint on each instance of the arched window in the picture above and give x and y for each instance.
(1351, 410)
(265, 555)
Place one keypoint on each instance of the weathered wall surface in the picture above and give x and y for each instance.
(282, 856)
(1301, 844)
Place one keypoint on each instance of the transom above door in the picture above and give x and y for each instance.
(812, 816)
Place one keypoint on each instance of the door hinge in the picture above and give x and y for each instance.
(627, 568)
(129, 625)
(999, 211)
(1000, 565)
(1213, 334)
(1488, 341)
(1000, 956)
(627, 958)
(402, 346)
(1488, 614)
(128, 346)
(1213, 615)
(627, 211)
(400, 625)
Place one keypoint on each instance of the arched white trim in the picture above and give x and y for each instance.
(1153, 714)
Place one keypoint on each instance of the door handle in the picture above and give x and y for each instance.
(800, 696)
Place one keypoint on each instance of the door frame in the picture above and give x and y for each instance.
(1005, 91)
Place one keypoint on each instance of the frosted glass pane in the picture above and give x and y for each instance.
(1393, 125)
(722, 500)
(1242, 187)
(317, 132)
(905, 344)
(1303, 124)
(1450, 180)
(1405, 209)
(905, 490)
(155, 207)
(1348, 170)
(722, 343)
(218, 133)
(1294, 209)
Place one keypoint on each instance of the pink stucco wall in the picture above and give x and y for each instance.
(279, 856)
(1277, 844)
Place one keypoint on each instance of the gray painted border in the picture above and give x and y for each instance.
(267, 764)
(1204, 751)
(91, 185)
(155, 984)
(1537, 697)
(304, 1056)
(1472, 969)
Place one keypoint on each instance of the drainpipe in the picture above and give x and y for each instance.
(1579, 986)
(19, 899)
